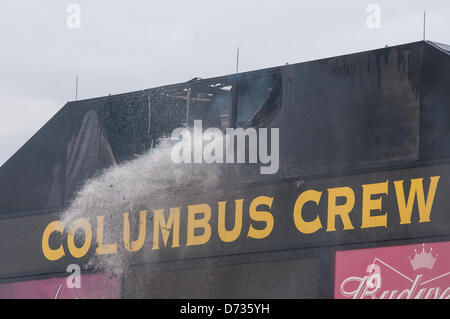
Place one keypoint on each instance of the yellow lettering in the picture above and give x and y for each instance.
(173, 223)
(262, 216)
(340, 210)
(139, 242)
(369, 204)
(202, 223)
(75, 251)
(302, 225)
(52, 254)
(230, 235)
(103, 249)
(416, 190)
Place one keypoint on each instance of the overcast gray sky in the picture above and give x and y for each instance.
(126, 46)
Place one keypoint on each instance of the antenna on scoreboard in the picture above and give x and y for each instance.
(76, 88)
(237, 60)
(424, 25)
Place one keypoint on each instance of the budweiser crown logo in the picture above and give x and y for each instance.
(423, 259)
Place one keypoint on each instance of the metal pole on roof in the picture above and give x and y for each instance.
(424, 24)
(237, 60)
(188, 105)
(76, 88)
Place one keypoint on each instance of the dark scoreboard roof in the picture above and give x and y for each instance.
(441, 46)
(369, 110)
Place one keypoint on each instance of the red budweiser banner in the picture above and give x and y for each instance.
(92, 286)
(419, 271)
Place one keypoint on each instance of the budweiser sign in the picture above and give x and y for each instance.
(419, 271)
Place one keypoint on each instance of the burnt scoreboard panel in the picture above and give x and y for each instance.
(282, 218)
(293, 278)
(363, 163)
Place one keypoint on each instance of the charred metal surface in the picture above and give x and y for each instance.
(361, 118)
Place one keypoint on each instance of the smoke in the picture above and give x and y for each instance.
(150, 181)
